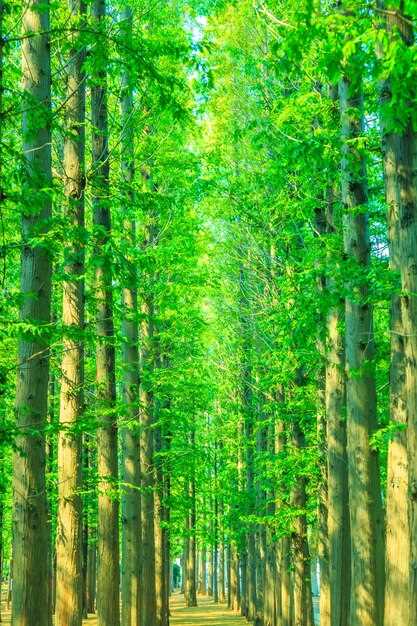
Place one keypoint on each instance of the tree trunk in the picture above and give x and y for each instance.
(131, 504)
(243, 560)
(400, 194)
(191, 553)
(202, 586)
(303, 606)
(216, 546)
(210, 572)
(108, 573)
(234, 579)
(148, 587)
(222, 570)
(91, 577)
(31, 528)
(366, 517)
(69, 588)
(338, 525)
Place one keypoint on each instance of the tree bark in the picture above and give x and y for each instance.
(130, 438)
(366, 516)
(108, 572)
(148, 588)
(30, 603)
(400, 193)
(191, 554)
(303, 606)
(338, 525)
(202, 586)
(234, 579)
(69, 589)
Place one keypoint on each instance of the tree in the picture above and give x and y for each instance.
(30, 532)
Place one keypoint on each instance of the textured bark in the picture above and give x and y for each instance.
(283, 550)
(366, 516)
(108, 572)
(131, 502)
(191, 552)
(216, 545)
(338, 526)
(303, 606)
(210, 572)
(400, 192)
(161, 532)
(269, 587)
(202, 582)
(222, 570)
(243, 560)
(69, 589)
(234, 579)
(91, 577)
(148, 587)
(31, 528)
(334, 512)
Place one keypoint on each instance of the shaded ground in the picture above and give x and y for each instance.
(206, 614)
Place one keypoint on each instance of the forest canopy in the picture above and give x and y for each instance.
(208, 311)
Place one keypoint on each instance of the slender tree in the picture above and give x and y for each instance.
(131, 505)
(108, 573)
(366, 516)
(31, 528)
(69, 601)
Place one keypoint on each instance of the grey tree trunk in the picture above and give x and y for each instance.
(30, 603)
(69, 580)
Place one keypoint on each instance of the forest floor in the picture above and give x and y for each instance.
(206, 614)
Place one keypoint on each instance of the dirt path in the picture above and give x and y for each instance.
(206, 614)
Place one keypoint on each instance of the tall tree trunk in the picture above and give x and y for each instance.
(303, 607)
(210, 572)
(338, 526)
(366, 517)
(202, 585)
(91, 577)
(234, 579)
(400, 191)
(222, 570)
(31, 528)
(216, 544)
(148, 587)
(191, 553)
(108, 573)
(69, 596)
(283, 548)
(243, 560)
(131, 503)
